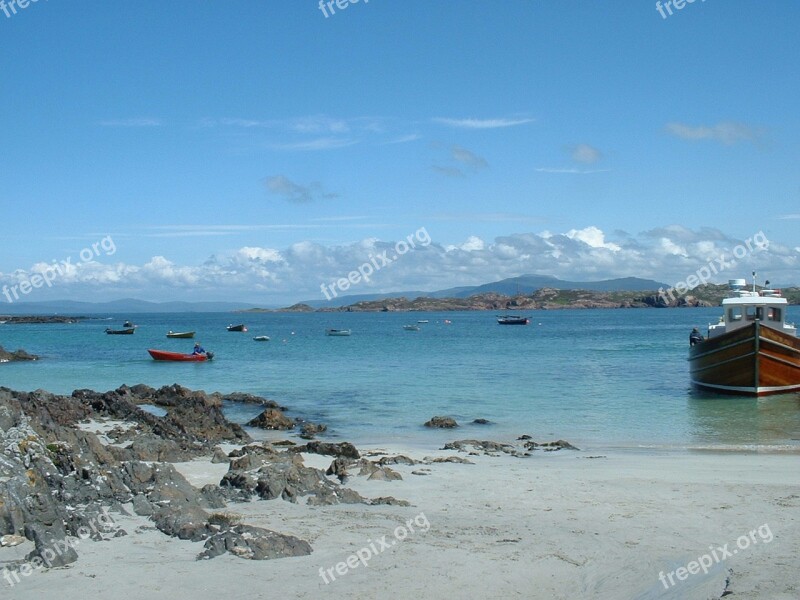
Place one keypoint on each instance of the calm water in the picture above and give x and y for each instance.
(599, 378)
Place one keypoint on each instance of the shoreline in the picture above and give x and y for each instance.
(477, 519)
(557, 526)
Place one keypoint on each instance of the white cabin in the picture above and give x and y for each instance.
(745, 306)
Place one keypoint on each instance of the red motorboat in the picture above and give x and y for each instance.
(179, 356)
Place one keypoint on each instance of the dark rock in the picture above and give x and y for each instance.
(558, 445)
(389, 501)
(400, 459)
(187, 523)
(219, 456)
(338, 469)
(20, 354)
(343, 449)
(385, 474)
(250, 399)
(53, 547)
(448, 459)
(485, 446)
(442, 423)
(254, 543)
(481, 422)
(272, 418)
(142, 506)
(309, 430)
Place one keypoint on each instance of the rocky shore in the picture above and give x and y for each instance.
(38, 319)
(6, 356)
(96, 481)
(66, 461)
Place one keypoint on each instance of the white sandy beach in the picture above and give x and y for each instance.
(555, 525)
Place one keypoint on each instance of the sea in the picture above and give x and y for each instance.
(598, 378)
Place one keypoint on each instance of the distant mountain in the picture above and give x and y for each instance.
(524, 284)
(527, 284)
(124, 306)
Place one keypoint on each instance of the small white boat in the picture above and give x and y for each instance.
(411, 327)
(261, 338)
(423, 321)
(337, 332)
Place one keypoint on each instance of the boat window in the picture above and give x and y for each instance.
(774, 314)
(753, 313)
(735, 313)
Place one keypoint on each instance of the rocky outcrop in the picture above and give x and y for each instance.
(342, 449)
(58, 480)
(489, 448)
(272, 418)
(254, 543)
(442, 422)
(6, 356)
(268, 473)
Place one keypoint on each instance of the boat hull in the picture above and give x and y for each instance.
(237, 328)
(512, 321)
(753, 361)
(129, 331)
(178, 356)
(338, 332)
(181, 335)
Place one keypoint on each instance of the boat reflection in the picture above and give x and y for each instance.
(769, 423)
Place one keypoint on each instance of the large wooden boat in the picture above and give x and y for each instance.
(752, 350)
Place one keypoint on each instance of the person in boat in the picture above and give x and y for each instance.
(198, 349)
(695, 337)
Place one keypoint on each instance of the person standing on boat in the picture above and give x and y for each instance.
(198, 349)
(695, 337)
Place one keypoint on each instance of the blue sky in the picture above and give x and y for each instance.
(251, 151)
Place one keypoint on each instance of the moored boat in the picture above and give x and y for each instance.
(126, 331)
(179, 356)
(337, 332)
(412, 327)
(239, 327)
(261, 338)
(512, 320)
(752, 350)
(180, 334)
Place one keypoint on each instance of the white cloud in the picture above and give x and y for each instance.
(481, 123)
(570, 171)
(134, 122)
(269, 275)
(591, 236)
(294, 192)
(586, 154)
(727, 133)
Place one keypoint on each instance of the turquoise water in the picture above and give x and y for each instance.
(598, 378)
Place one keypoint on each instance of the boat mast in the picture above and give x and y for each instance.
(754, 282)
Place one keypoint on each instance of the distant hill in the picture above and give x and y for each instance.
(126, 305)
(524, 284)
